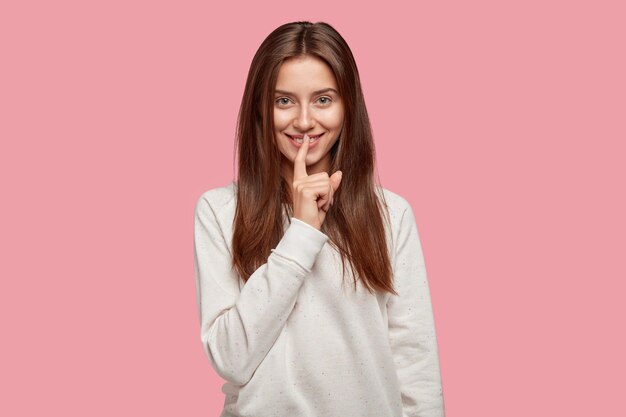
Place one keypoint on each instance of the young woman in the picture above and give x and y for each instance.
(291, 329)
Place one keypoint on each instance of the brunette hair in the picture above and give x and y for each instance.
(354, 223)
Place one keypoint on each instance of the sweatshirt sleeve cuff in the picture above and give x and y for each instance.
(301, 243)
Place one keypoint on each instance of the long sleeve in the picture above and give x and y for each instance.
(238, 328)
(411, 325)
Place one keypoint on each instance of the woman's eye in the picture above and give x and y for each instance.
(285, 100)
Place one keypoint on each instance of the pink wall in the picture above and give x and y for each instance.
(503, 125)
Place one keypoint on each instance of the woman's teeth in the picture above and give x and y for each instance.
(311, 139)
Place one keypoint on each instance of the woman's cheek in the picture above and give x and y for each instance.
(280, 117)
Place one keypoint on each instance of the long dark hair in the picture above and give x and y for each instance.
(354, 223)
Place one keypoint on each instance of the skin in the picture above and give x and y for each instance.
(302, 111)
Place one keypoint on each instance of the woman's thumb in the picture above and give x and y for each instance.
(337, 179)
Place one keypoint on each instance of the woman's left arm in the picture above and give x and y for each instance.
(411, 325)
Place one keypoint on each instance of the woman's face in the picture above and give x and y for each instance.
(306, 100)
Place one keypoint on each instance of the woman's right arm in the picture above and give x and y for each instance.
(237, 328)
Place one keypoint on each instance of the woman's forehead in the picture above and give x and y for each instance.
(306, 76)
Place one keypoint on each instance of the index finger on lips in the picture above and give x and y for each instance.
(299, 163)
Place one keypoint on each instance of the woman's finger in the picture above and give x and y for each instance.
(330, 198)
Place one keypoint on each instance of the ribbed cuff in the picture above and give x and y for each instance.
(301, 243)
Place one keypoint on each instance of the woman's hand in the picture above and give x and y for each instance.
(312, 194)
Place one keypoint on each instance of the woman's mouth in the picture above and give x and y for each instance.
(298, 142)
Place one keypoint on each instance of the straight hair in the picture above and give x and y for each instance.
(355, 221)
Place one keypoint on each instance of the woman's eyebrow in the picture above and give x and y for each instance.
(324, 90)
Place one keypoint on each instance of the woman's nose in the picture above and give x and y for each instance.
(304, 121)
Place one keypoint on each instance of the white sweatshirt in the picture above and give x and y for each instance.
(297, 341)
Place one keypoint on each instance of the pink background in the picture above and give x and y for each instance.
(503, 123)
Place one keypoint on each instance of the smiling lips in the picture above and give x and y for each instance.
(302, 136)
(298, 139)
